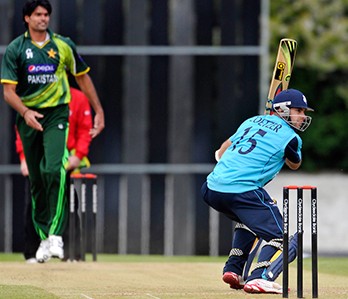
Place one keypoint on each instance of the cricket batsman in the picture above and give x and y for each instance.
(247, 161)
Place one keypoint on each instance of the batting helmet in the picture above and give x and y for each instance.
(291, 98)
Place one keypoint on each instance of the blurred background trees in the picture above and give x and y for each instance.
(321, 72)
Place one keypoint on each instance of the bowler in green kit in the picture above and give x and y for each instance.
(34, 75)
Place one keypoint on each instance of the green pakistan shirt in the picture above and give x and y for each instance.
(40, 71)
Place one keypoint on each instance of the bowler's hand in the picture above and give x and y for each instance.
(98, 126)
(30, 117)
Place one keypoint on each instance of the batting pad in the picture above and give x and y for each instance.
(276, 267)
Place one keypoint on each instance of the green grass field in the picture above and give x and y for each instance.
(130, 276)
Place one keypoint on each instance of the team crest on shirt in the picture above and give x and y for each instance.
(29, 53)
(51, 53)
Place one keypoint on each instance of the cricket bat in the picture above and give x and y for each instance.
(282, 70)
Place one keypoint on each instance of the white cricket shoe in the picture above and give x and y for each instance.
(43, 253)
(56, 246)
(263, 286)
(31, 260)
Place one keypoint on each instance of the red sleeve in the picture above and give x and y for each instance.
(19, 146)
(80, 123)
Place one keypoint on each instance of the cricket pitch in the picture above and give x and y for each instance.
(135, 280)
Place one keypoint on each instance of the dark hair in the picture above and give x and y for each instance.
(31, 5)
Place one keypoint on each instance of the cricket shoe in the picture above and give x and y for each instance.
(56, 246)
(43, 253)
(234, 280)
(263, 286)
(31, 260)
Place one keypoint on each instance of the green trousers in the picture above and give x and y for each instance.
(46, 154)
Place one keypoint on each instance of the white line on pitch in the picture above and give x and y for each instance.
(83, 295)
(153, 296)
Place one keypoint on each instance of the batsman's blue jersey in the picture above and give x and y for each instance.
(255, 157)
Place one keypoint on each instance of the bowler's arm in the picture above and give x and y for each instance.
(13, 99)
(86, 85)
(30, 116)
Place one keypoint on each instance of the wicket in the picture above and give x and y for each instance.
(314, 240)
(83, 178)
